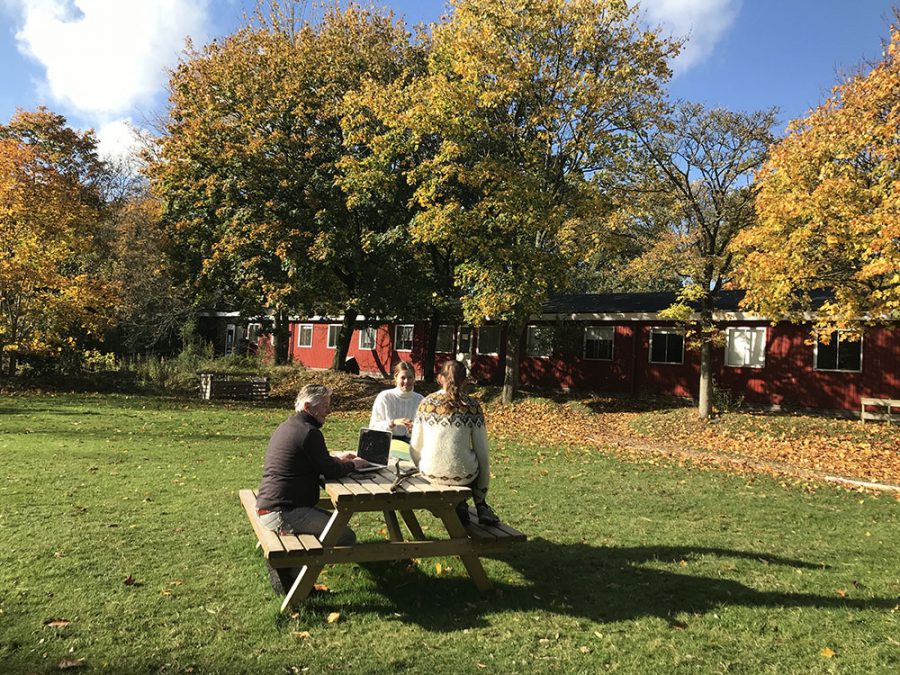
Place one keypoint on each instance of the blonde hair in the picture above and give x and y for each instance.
(405, 366)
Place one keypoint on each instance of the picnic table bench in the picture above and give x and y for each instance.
(369, 492)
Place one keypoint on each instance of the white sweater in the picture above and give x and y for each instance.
(393, 404)
(449, 442)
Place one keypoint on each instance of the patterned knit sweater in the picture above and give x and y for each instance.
(449, 442)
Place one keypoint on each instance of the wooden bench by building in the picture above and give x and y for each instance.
(233, 385)
(881, 409)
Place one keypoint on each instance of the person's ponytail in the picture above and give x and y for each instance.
(454, 374)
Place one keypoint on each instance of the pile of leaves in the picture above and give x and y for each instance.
(802, 446)
(349, 392)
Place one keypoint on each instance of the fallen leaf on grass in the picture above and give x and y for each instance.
(584, 650)
(334, 617)
(56, 623)
(842, 592)
(65, 664)
(321, 588)
(828, 653)
(131, 581)
(438, 569)
(302, 634)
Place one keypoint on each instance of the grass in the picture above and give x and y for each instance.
(637, 568)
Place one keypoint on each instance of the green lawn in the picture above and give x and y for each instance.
(633, 568)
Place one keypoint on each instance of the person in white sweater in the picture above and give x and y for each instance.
(394, 409)
(449, 442)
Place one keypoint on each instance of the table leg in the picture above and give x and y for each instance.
(413, 524)
(470, 560)
(393, 526)
(308, 575)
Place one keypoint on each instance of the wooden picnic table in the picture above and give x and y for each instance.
(367, 492)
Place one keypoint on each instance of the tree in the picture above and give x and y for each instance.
(531, 104)
(686, 211)
(54, 278)
(829, 208)
(249, 169)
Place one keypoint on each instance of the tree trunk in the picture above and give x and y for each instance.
(11, 364)
(339, 362)
(281, 338)
(430, 347)
(704, 406)
(511, 371)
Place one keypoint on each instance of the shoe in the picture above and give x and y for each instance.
(282, 578)
(462, 512)
(486, 515)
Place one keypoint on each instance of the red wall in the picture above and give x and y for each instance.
(788, 378)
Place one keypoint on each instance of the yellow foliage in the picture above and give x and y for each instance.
(829, 207)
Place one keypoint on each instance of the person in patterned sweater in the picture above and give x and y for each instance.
(449, 442)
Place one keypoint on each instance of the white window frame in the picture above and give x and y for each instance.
(300, 328)
(332, 343)
(452, 330)
(837, 337)
(530, 333)
(612, 340)
(729, 341)
(478, 342)
(370, 331)
(666, 331)
(412, 333)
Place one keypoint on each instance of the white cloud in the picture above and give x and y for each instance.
(702, 22)
(120, 140)
(103, 57)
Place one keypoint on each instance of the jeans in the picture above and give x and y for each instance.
(304, 520)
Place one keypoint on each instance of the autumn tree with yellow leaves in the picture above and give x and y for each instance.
(531, 105)
(250, 174)
(829, 208)
(54, 275)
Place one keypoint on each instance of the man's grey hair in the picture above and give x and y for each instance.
(312, 394)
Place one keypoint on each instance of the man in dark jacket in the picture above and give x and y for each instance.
(295, 459)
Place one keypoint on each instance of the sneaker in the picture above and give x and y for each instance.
(486, 515)
(462, 511)
(282, 578)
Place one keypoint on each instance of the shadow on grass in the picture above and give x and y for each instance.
(602, 584)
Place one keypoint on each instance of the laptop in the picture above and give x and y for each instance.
(374, 446)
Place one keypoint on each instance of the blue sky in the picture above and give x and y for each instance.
(102, 63)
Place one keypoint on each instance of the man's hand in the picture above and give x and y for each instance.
(346, 457)
(359, 462)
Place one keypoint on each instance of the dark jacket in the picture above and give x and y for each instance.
(295, 459)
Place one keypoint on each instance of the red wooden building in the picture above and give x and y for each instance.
(618, 343)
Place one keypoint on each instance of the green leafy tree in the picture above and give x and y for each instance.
(531, 104)
(249, 168)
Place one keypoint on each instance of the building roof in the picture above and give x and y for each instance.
(585, 305)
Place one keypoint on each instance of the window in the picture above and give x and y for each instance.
(253, 330)
(598, 343)
(230, 331)
(334, 331)
(367, 337)
(403, 338)
(666, 346)
(746, 347)
(843, 352)
(444, 340)
(464, 341)
(489, 340)
(539, 341)
(304, 335)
